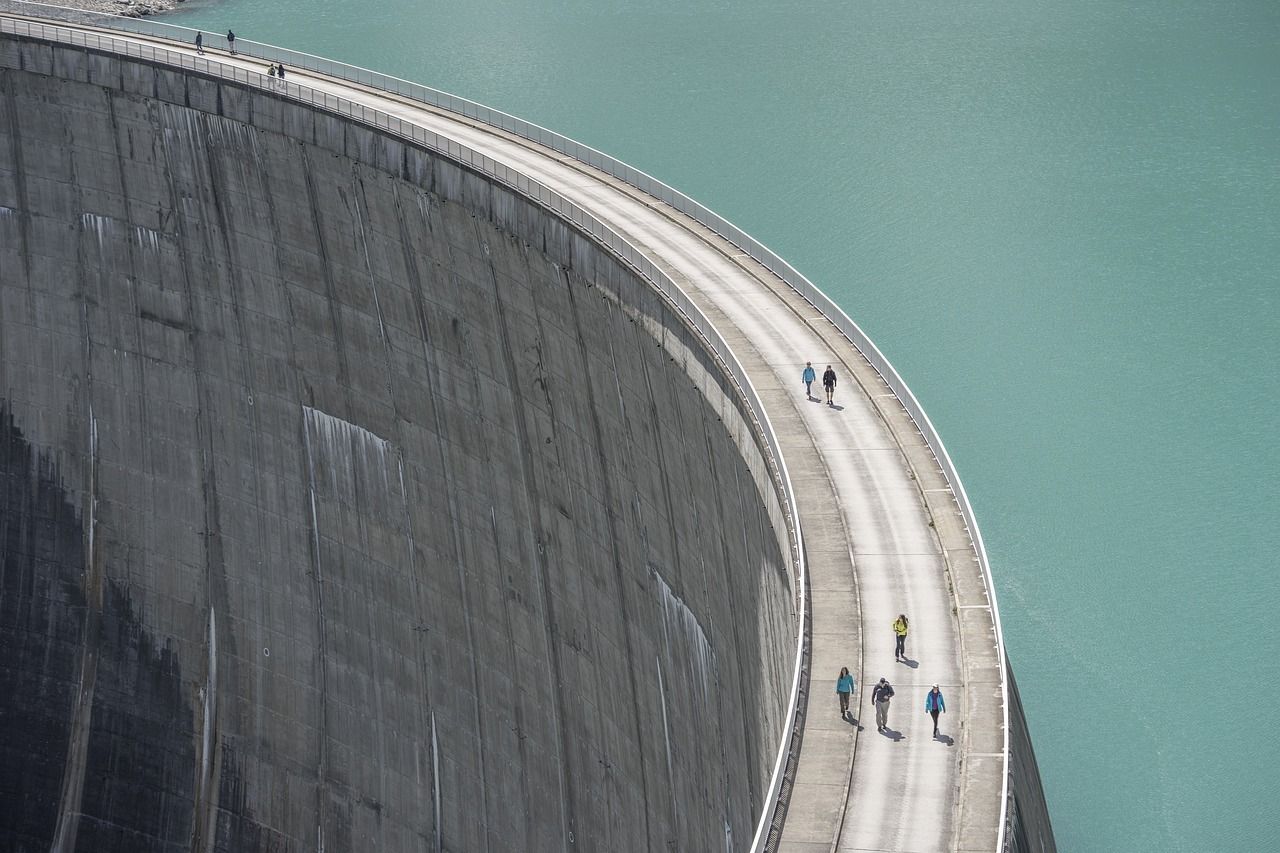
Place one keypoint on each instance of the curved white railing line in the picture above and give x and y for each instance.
(551, 200)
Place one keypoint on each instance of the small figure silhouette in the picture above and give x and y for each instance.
(829, 383)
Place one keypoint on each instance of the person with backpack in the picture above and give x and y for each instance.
(900, 635)
(807, 378)
(844, 689)
(829, 383)
(933, 705)
(231, 42)
(880, 696)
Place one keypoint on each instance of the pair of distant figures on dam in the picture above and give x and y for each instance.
(231, 43)
(883, 692)
(828, 382)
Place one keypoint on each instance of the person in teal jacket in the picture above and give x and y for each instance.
(807, 377)
(933, 705)
(844, 689)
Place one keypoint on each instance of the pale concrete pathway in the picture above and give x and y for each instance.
(882, 532)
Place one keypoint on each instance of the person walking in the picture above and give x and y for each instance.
(933, 705)
(829, 383)
(231, 42)
(807, 378)
(271, 72)
(880, 696)
(844, 689)
(900, 634)
(280, 70)
(200, 43)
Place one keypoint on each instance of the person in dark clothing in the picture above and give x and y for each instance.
(829, 383)
(933, 705)
(200, 43)
(231, 42)
(280, 70)
(880, 696)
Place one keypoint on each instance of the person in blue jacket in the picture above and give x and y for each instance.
(933, 705)
(844, 689)
(807, 377)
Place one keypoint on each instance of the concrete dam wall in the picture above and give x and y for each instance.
(351, 501)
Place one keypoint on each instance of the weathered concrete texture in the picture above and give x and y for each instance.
(352, 502)
(1029, 827)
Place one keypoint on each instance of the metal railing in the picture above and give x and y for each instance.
(500, 172)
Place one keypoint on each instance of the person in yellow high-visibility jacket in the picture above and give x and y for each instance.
(900, 632)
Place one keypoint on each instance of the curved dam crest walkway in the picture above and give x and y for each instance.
(882, 531)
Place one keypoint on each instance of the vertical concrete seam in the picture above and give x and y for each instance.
(455, 532)
(19, 177)
(68, 823)
(326, 268)
(204, 818)
(567, 810)
(517, 708)
(302, 394)
(424, 709)
(322, 756)
(614, 547)
(722, 526)
(73, 777)
(361, 206)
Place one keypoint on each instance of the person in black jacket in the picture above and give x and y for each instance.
(829, 383)
(880, 696)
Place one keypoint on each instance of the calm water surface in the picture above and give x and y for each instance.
(1061, 221)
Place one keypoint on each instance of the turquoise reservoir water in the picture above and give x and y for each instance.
(1061, 221)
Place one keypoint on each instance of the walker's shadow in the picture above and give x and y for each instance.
(945, 740)
(891, 734)
(914, 664)
(849, 718)
(837, 408)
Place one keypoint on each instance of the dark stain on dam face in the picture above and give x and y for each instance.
(419, 521)
(41, 617)
(136, 784)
